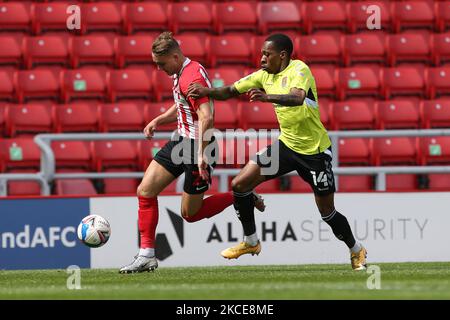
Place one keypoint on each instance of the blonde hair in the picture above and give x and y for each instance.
(164, 44)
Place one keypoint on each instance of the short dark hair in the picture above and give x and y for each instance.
(281, 42)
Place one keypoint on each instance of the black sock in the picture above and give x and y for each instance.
(244, 204)
(340, 227)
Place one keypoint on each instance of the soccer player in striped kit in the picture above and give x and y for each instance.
(193, 152)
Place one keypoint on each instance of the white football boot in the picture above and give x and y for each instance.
(140, 264)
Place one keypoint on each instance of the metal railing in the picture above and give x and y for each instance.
(48, 164)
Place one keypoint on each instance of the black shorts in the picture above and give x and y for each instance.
(314, 169)
(181, 156)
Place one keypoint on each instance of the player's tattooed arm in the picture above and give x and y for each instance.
(196, 91)
(294, 98)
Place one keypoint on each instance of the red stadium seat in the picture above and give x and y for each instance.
(297, 184)
(46, 50)
(436, 113)
(101, 15)
(133, 49)
(358, 81)
(359, 13)
(74, 187)
(30, 118)
(225, 76)
(367, 47)
(351, 183)
(319, 48)
(32, 84)
(193, 46)
(325, 106)
(92, 49)
(234, 16)
(403, 81)
(51, 16)
(257, 115)
(354, 152)
(194, 15)
(325, 80)
(3, 114)
(353, 114)
(412, 14)
(441, 48)
(11, 44)
(171, 189)
(409, 47)
(84, 83)
(439, 182)
(395, 151)
(401, 182)
(270, 186)
(72, 154)
(77, 116)
(148, 15)
(6, 84)
(226, 114)
(23, 188)
(256, 43)
(228, 49)
(324, 15)
(20, 153)
(435, 150)
(129, 83)
(278, 16)
(247, 149)
(227, 153)
(154, 109)
(147, 151)
(115, 153)
(123, 116)
(162, 86)
(120, 185)
(15, 15)
(438, 81)
(443, 15)
(398, 114)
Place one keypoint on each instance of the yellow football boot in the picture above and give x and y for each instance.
(242, 248)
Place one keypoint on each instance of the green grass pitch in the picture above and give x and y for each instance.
(398, 281)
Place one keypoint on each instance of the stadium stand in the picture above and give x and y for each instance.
(77, 116)
(100, 78)
(354, 151)
(148, 15)
(234, 16)
(398, 114)
(125, 116)
(353, 114)
(435, 113)
(23, 188)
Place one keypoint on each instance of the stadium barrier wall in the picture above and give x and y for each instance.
(395, 227)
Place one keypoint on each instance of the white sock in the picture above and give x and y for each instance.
(356, 248)
(147, 252)
(251, 239)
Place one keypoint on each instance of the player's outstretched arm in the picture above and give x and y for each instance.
(295, 97)
(196, 91)
(167, 117)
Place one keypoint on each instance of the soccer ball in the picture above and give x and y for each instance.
(94, 231)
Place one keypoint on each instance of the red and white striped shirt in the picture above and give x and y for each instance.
(191, 72)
